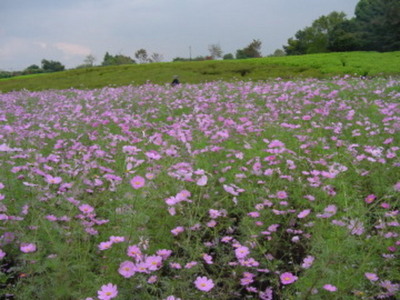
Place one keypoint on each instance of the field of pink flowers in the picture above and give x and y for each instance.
(246, 190)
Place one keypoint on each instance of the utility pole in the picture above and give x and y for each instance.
(190, 52)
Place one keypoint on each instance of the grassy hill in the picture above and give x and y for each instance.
(313, 65)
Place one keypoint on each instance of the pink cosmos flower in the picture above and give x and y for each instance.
(254, 214)
(190, 264)
(172, 298)
(371, 276)
(86, 208)
(142, 267)
(135, 252)
(212, 223)
(164, 253)
(214, 213)
(53, 180)
(370, 198)
(208, 259)
(177, 230)
(127, 269)
(307, 262)
(105, 245)
(107, 292)
(175, 265)
(304, 213)
(27, 248)
(330, 288)
(281, 195)
(137, 182)
(276, 144)
(202, 181)
(226, 239)
(246, 280)
(117, 239)
(183, 195)
(2, 254)
(241, 252)
(152, 154)
(288, 278)
(204, 284)
(51, 218)
(154, 262)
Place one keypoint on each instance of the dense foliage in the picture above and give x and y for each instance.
(375, 27)
(119, 59)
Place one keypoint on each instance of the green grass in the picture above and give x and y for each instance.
(313, 65)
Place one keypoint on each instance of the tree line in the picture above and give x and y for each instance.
(375, 27)
(140, 56)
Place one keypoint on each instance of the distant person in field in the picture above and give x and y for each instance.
(175, 81)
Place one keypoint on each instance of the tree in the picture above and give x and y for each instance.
(215, 51)
(345, 36)
(118, 59)
(228, 56)
(52, 66)
(315, 38)
(278, 52)
(253, 50)
(108, 60)
(156, 57)
(180, 59)
(142, 56)
(89, 60)
(379, 24)
(32, 69)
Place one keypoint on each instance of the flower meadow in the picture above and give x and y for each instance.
(244, 190)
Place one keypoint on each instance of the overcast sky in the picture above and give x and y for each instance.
(69, 30)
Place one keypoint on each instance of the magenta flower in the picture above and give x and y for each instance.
(117, 239)
(127, 269)
(370, 198)
(208, 259)
(304, 213)
(134, 251)
(204, 284)
(142, 267)
(177, 230)
(53, 180)
(330, 288)
(288, 278)
(214, 213)
(281, 195)
(105, 245)
(164, 253)
(107, 291)
(307, 262)
(202, 181)
(86, 208)
(152, 279)
(371, 276)
(241, 252)
(190, 264)
(2, 254)
(137, 182)
(154, 262)
(27, 248)
(172, 298)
